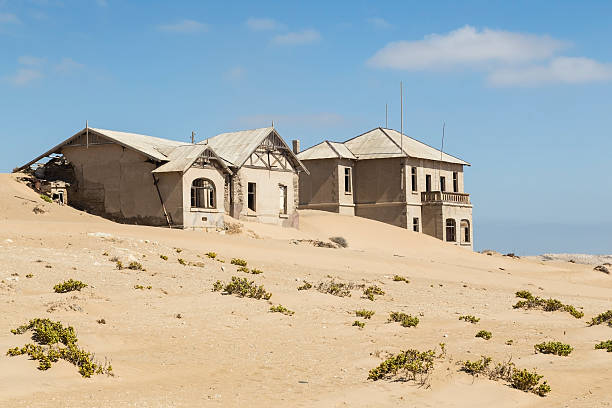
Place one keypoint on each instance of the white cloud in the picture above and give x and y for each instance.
(30, 60)
(314, 120)
(263, 24)
(235, 74)
(297, 38)
(102, 3)
(24, 76)
(569, 70)
(184, 26)
(9, 18)
(67, 65)
(379, 22)
(465, 46)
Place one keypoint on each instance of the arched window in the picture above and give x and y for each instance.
(203, 194)
(450, 230)
(465, 231)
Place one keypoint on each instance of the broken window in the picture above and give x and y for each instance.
(455, 182)
(415, 224)
(465, 231)
(428, 182)
(442, 183)
(347, 180)
(414, 178)
(283, 198)
(202, 193)
(252, 198)
(450, 230)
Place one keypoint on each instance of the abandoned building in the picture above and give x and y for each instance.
(386, 176)
(140, 179)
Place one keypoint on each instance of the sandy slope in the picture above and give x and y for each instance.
(226, 351)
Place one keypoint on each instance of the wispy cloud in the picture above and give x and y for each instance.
(378, 22)
(102, 3)
(263, 24)
(235, 74)
(9, 18)
(24, 76)
(465, 47)
(313, 120)
(30, 60)
(297, 38)
(559, 70)
(184, 27)
(67, 65)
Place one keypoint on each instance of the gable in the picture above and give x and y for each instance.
(271, 154)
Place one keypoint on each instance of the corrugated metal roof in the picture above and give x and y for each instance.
(236, 147)
(149, 145)
(182, 157)
(326, 150)
(415, 148)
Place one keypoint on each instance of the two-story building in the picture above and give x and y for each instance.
(389, 177)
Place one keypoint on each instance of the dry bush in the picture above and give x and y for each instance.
(548, 305)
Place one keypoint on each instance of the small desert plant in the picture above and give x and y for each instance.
(135, 266)
(412, 365)
(359, 324)
(527, 381)
(29, 275)
(605, 317)
(242, 288)
(101, 321)
(182, 261)
(164, 257)
(370, 291)
(243, 269)
(341, 241)
(46, 198)
(281, 309)
(554, 347)
(604, 345)
(484, 334)
(336, 288)
(405, 320)
(69, 286)
(469, 319)
(509, 342)
(366, 314)
(256, 271)
(305, 286)
(548, 305)
(119, 265)
(211, 255)
(476, 367)
(398, 278)
(178, 250)
(238, 261)
(105, 253)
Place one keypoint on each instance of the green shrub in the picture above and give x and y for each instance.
(48, 335)
(119, 265)
(509, 342)
(406, 320)
(281, 309)
(484, 334)
(604, 345)
(398, 278)
(469, 319)
(476, 367)
(256, 271)
(359, 324)
(411, 365)
(135, 266)
(46, 198)
(238, 261)
(178, 250)
(305, 286)
(242, 288)
(69, 286)
(29, 275)
(366, 314)
(211, 255)
(554, 347)
(527, 381)
(164, 257)
(243, 269)
(548, 305)
(336, 288)
(370, 291)
(605, 317)
(182, 261)
(341, 241)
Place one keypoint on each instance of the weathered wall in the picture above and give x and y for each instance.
(268, 208)
(391, 213)
(203, 218)
(435, 170)
(320, 187)
(379, 181)
(434, 221)
(117, 183)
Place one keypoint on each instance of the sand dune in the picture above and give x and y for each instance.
(227, 351)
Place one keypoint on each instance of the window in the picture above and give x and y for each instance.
(442, 183)
(414, 179)
(428, 182)
(347, 180)
(455, 182)
(465, 231)
(283, 198)
(252, 198)
(415, 224)
(450, 230)
(202, 194)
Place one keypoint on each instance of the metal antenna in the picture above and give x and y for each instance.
(192, 137)
(441, 150)
(402, 117)
(386, 117)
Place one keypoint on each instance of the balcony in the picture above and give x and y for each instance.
(444, 197)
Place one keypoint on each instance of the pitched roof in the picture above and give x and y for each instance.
(376, 144)
(149, 145)
(181, 158)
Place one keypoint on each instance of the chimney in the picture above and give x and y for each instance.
(296, 146)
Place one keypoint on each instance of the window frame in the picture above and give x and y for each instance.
(252, 192)
(203, 196)
(442, 184)
(451, 230)
(413, 176)
(428, 182)
(415, 224)
(465, 232)
(348, 180)
(455, 182)
(284, 196)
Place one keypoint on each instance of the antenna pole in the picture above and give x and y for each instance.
(192, 137)
(87, 132)
(441, 150)
(386, 117)
(402, 117)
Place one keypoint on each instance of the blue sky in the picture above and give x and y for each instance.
(524, 88)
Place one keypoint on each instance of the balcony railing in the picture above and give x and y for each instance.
(444, 197)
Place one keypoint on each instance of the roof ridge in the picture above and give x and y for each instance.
(435, 148)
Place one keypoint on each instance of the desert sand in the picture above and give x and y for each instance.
(227, 351)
